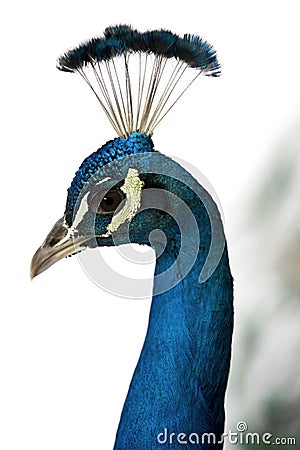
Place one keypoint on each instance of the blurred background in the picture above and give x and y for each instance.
(264, 389)
(68, 349)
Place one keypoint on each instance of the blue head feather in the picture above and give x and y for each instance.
(118, 31)
(161, 42)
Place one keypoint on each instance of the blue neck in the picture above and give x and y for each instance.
(180, 379)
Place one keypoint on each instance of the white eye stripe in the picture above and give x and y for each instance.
(103, 181)
(84, 207)
(132, 187)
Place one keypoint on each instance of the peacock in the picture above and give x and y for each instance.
(127, 191)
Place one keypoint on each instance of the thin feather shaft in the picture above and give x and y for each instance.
(101, 83)
(179, 96)
(148, 94)
(165, 91)
(167, 94)
(142, 92)
(151, 91)
(129, 93)
(110, 118)
(123, 115)
(114, 92)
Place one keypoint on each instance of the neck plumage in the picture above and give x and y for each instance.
(181, 376)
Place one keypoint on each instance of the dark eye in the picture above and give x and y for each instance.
(110, 202)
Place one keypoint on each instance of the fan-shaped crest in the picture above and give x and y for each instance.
(138, 77)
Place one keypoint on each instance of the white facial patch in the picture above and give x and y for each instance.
(132, 187)
(83, 208)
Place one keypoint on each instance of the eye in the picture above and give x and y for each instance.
(109, 203)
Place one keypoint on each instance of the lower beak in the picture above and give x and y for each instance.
(58, 244)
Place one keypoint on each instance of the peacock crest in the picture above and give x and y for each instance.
(137, 77)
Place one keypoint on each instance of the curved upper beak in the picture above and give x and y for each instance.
(58, 244)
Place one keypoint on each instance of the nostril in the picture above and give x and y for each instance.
(54, 240)
(56, 237)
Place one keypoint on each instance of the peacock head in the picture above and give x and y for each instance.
(125, 190)
(120, 194)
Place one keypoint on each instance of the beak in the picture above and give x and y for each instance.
(56, 246)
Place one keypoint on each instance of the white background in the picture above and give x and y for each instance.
(68, 349)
